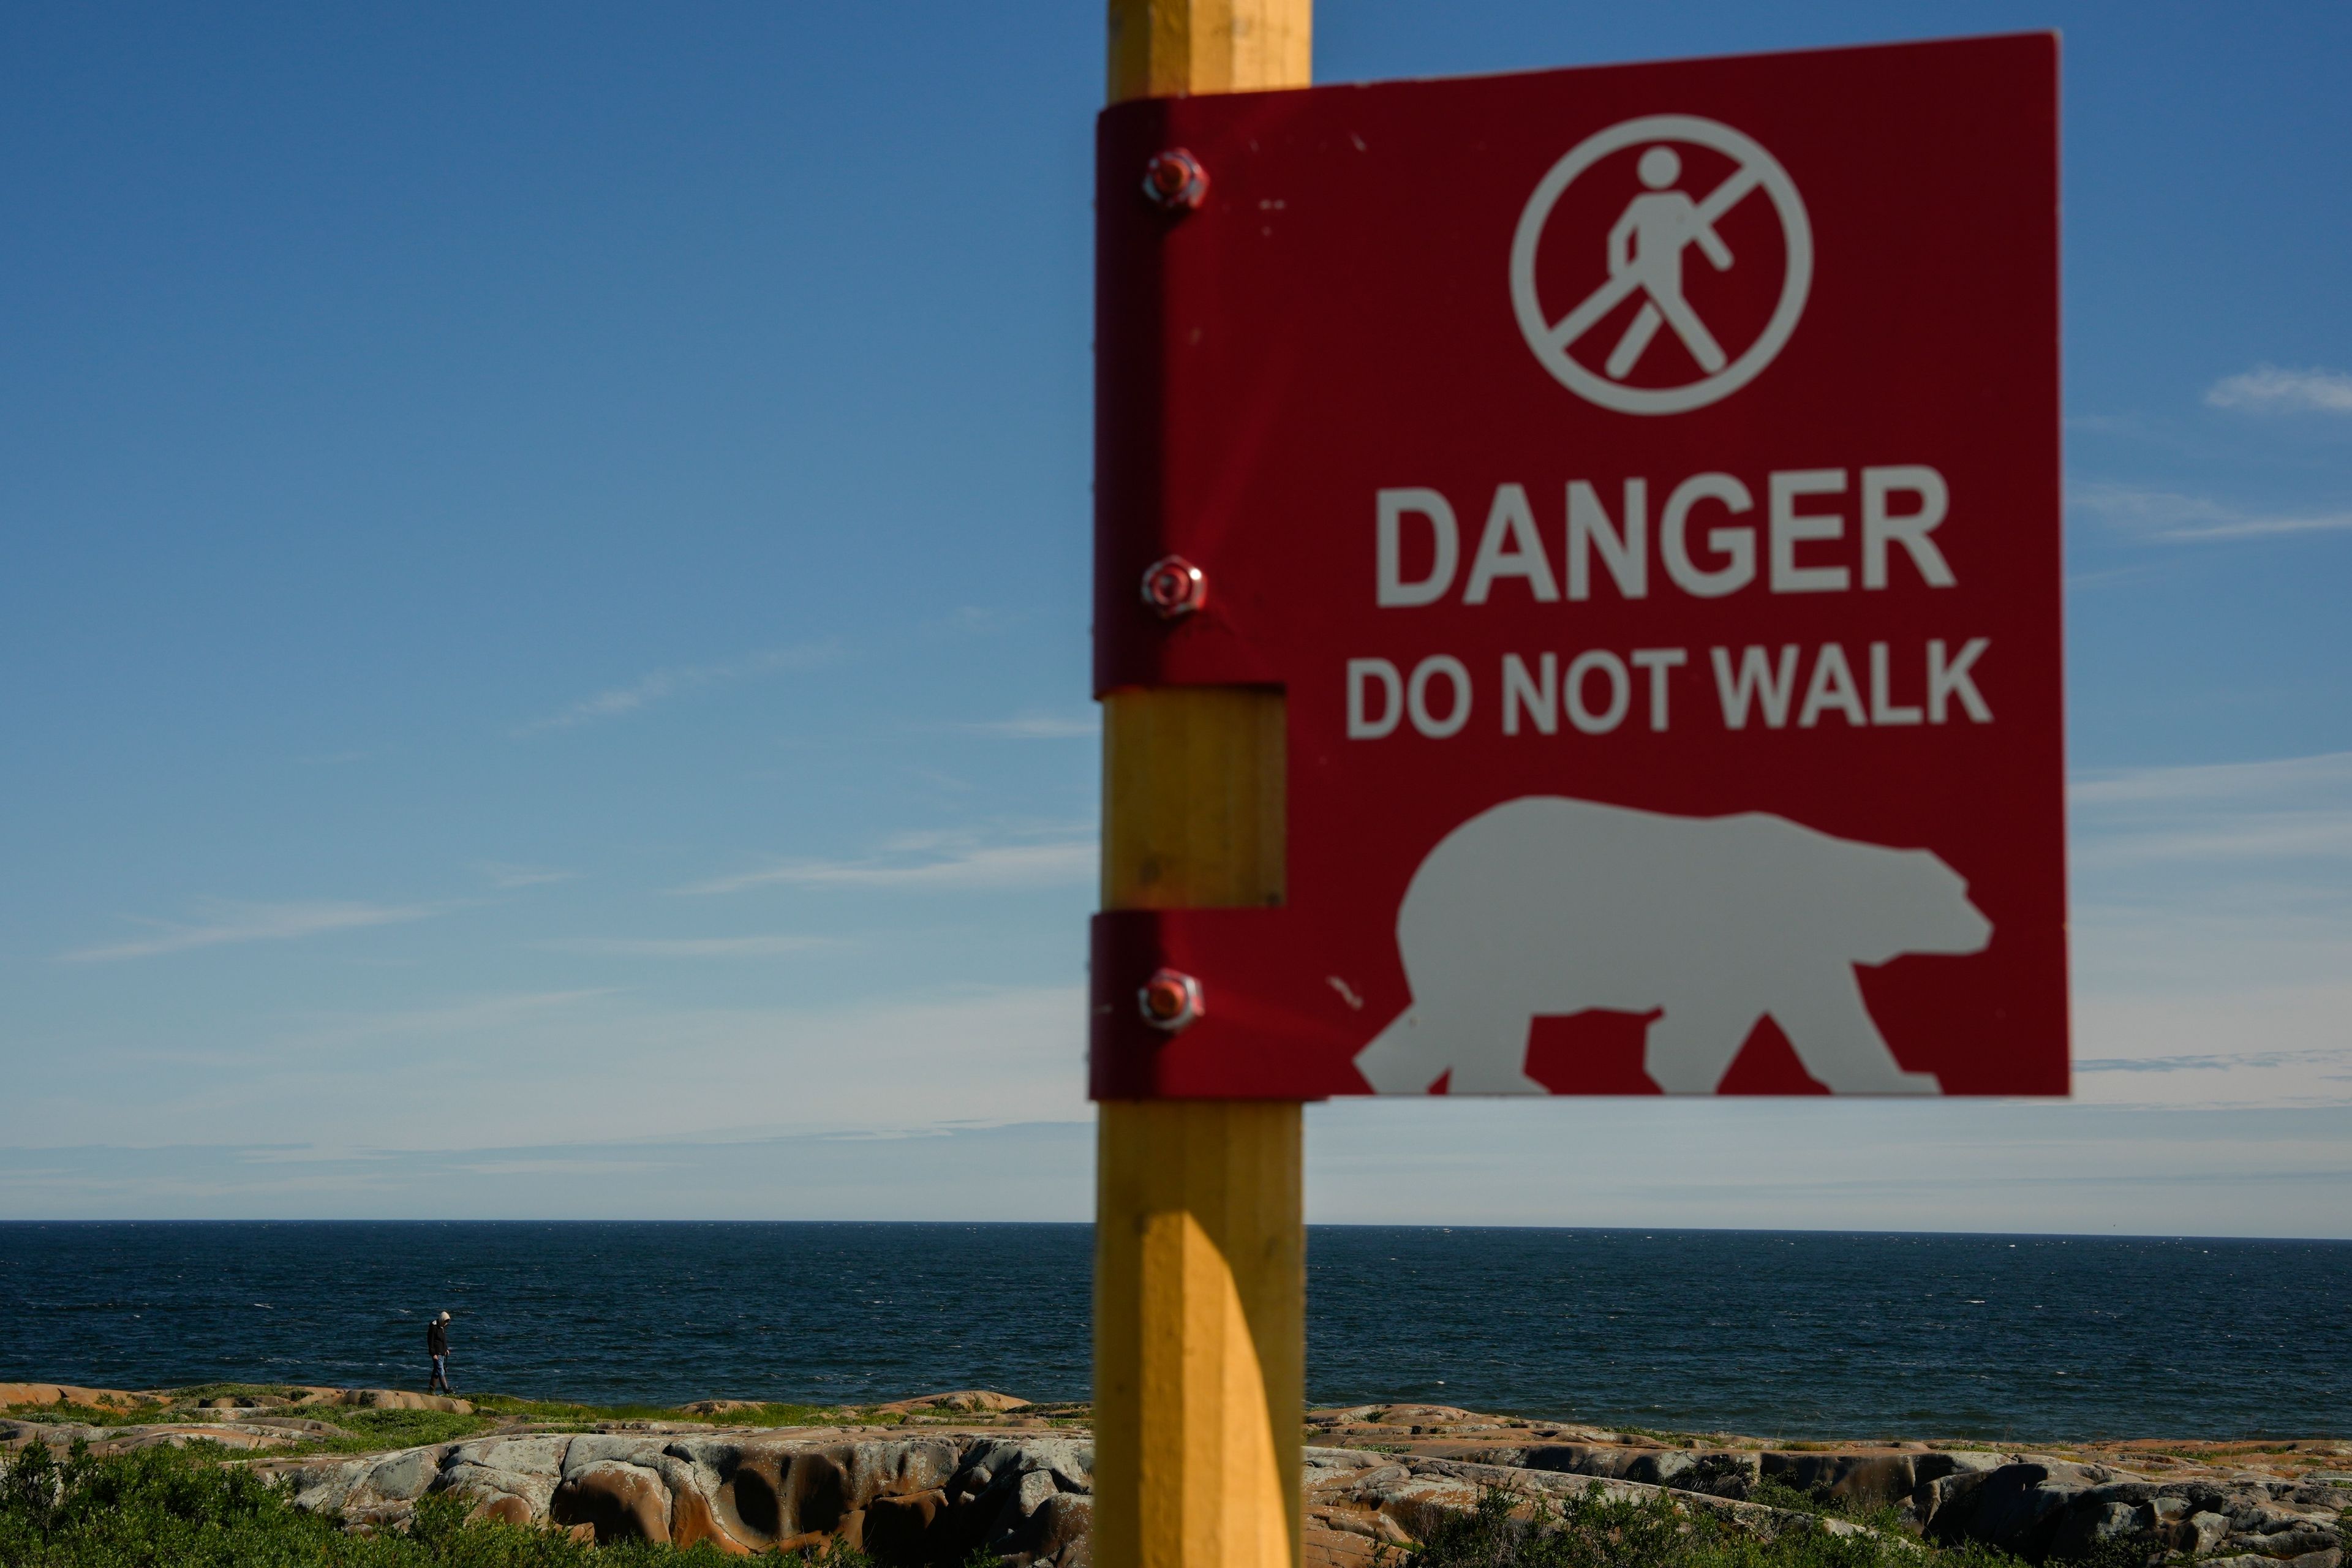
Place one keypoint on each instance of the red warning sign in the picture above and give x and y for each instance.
(1644, 482)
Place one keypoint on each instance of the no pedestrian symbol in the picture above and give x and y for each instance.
(1648, 249)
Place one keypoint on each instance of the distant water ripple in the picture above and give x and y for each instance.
(1802, 1334)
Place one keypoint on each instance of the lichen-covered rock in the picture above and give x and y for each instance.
(923, 1502)
(2039, 1509)
(1061, 1531)
(960, 1401)
(241, 1436)
(403, 1477)
(931, 1500)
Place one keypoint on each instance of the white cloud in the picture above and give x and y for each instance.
(2270, 389)
(1035, 727)
(2291, 808)
(504, 876)
(503, 1011)
(2106, 424)
(2212, 919)
(2270, 835)
(2211, 780)
(936, 862)
(2174, 519)
(647, 689)
(772, 945)
(498, 1072)
(2244, 1047)
(226, 922)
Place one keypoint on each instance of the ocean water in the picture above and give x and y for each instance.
(1804, 1334)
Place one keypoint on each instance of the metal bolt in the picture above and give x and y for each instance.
(1174, 181)
(1173, 586)
(1170, 1000)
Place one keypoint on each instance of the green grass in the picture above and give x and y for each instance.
(366, 1431)
(86, 1414)
(404, 1428)
(558, 1412)
(374, 1430)
(196, 1391)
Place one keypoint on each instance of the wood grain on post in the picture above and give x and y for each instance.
(1166, 48)
(1199, 1239)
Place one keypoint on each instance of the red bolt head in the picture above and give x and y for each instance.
(1175, 180)
(1173, 586)
(1170, 1000)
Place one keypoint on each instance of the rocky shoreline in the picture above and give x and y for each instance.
(925, 1482)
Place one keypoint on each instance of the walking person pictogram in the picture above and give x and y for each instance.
(1647, 243)
(1647, 249)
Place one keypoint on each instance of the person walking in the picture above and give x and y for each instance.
(436, 1345)
(1647, 245)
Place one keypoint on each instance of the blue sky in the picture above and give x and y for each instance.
(543, 620)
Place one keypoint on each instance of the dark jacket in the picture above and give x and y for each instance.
(437, 1338)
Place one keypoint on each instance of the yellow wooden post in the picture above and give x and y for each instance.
(1200, 1239)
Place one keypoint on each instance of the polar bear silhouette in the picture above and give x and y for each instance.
(1547, 905)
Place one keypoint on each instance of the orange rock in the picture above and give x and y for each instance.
(65, 1394)
(503, 1508)
(1337, 1549)
(402, 1399)
(691, 1521)
(622, 1501)
(965, 1400)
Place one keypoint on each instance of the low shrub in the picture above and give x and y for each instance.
(1595, 1531)
(187, 1510)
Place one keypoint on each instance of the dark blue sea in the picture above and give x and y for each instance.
(1797, 1335)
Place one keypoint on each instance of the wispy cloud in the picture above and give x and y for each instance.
(769, 945)
(224, 922)
(2271, 835)
(490, 1072)
(938, 862)
(2172, 518)
(2213, 780)
(2106, 424)
(1035, 727)
(2270, 389)
(2267, 1042)
(660, 684)
(2287, 808)
(2338, 1061)
(478, 1015)
(504, 876)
